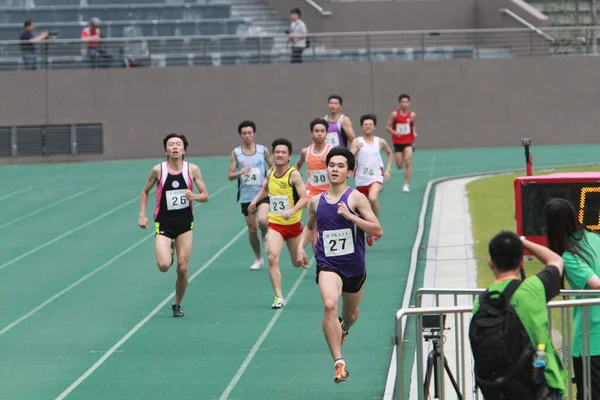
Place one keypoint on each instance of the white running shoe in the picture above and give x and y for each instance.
(406, 189)
(257, 264)
(278, 303)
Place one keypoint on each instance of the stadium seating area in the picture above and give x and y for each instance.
(254, 29)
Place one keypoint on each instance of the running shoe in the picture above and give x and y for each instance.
(177, 310)
(278, 303)
(341, 373)
(257, 264)
(406, 189)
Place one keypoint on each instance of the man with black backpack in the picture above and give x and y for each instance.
(510, 323)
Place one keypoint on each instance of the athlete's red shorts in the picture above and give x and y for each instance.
(365, 189)
(287, 231)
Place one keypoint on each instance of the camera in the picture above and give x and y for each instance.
(287, 32)
(526, 142)
(52, 34)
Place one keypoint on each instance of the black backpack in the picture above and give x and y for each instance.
(502, 350)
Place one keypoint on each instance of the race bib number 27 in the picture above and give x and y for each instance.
(338, 242)
(176, 199)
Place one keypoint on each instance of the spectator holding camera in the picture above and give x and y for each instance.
(510, 323)
(297, 35)
(27, 45)
(580, 250)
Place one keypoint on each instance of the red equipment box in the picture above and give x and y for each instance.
(582, 189)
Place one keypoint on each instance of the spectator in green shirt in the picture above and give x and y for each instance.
(580, 250)
(531, 298)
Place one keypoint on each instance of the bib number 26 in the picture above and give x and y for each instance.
(176, 200)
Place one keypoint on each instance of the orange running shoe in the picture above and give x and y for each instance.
(341, 373)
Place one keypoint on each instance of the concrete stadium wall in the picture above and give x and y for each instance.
(388, 15)
(460, 103)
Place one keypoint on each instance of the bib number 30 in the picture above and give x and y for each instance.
(176, 199)
(338, 242)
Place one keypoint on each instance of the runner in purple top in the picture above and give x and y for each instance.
(341, 216)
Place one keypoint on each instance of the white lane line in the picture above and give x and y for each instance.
(84, 278)
(16, 192)
(140, 324)
(261, 339)
(69, 232)
(39, 210)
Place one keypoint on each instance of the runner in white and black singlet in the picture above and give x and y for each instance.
(341, 217)
(173, 214)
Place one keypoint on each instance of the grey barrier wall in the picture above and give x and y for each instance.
(389, 15)
(459, 103)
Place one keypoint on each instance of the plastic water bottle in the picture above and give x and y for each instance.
(539, 364)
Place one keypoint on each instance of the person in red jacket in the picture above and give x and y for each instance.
(401, 125)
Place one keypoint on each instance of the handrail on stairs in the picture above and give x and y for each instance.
(318, 8)
(527, 24)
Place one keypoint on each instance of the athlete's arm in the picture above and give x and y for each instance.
(152, 179)
(268, 158)
(202, 196)
(413, 117)
(302, 159)
(307, 233)
(298, 183)
(388, 151)
(233, 165)
(347, 125)
(367, 221)
(389, 126)
(264, 191)
(355, 146)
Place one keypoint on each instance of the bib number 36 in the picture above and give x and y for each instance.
(176, 199)
(338, 242)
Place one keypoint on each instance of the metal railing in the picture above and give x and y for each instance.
(326, 47)
(317, 7)
(527, 24)
(562, 337)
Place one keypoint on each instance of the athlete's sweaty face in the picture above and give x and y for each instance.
(247, 134)
(319, 133)
(404, 104)
(334, 106)
(368, 126)
(281, 155)
(337, 170)
(175, 148)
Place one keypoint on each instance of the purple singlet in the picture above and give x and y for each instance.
(340, 243)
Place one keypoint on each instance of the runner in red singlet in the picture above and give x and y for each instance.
(401, 125)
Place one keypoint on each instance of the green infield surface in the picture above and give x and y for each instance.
(85, 313)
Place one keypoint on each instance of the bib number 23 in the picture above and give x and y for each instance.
(279, 204)
(176, 200)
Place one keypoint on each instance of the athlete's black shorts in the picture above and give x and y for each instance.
(171, 230)
(399, 148)
(265, 200)
(349, 285)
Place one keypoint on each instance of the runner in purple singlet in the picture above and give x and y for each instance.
(341, 217)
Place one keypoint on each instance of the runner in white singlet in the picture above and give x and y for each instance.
(369, 174)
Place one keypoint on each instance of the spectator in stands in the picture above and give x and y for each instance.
(92, 46)
(580, 250)
(297, 35)
(27, 45)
